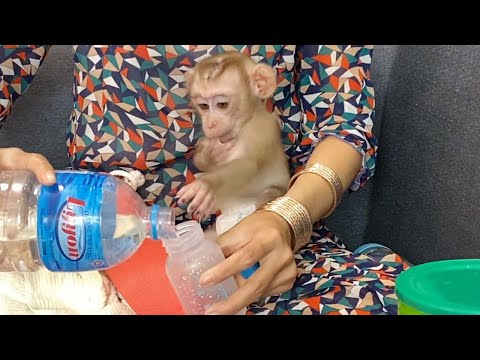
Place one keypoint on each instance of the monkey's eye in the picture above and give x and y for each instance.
(222, 105)
(203, 106)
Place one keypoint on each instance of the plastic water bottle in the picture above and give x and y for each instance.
(190, 254)
(86, 221)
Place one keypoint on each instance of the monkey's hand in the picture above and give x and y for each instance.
(211, 152)
(200, 195)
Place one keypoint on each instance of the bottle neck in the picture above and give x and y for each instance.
(160, 222)
(189, 234)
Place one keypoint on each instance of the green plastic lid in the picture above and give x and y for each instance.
(447, 287)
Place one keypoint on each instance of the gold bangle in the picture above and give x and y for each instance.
(330, 176)
(296, 215)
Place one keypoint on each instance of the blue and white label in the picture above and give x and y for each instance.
(70, 229)
(69, 233)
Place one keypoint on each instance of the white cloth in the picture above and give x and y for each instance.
(52, 293)
(233, 215)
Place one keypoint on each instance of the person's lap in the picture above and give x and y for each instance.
(334, 281)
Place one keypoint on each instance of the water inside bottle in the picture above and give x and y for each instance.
(19, 255)
(121, 238)
(185, 268)
(18, 242)
(22, 255)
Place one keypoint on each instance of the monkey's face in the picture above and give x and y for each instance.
(224, 105)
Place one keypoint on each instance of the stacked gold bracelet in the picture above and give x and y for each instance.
(330, 176)
(296, 215)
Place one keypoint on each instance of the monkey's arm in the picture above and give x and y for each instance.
(221, 181)
(201, 155)
(231, 177)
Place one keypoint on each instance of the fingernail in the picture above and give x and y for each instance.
(50, 177)
(206, 279)
(211, 311)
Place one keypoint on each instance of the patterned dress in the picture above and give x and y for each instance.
(130, 111)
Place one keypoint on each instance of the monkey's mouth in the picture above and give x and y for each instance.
(224, 136)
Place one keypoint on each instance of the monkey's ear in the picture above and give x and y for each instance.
(189, 77)
(264, 79)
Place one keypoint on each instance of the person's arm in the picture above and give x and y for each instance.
(342, 105)
(313, 191)
(18, 66)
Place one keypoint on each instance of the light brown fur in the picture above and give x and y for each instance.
(241, 155)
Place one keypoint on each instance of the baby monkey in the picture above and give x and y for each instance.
(241, 155)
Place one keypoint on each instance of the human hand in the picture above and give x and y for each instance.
(17, 159)
(263, 237)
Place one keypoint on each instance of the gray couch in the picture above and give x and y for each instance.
(422, 200)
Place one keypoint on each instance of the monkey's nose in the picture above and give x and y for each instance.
(212, 125)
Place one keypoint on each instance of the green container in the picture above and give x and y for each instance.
(448, 287)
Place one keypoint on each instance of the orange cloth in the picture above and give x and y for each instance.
(143, 283)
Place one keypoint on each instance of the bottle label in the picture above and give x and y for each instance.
(69, 233)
